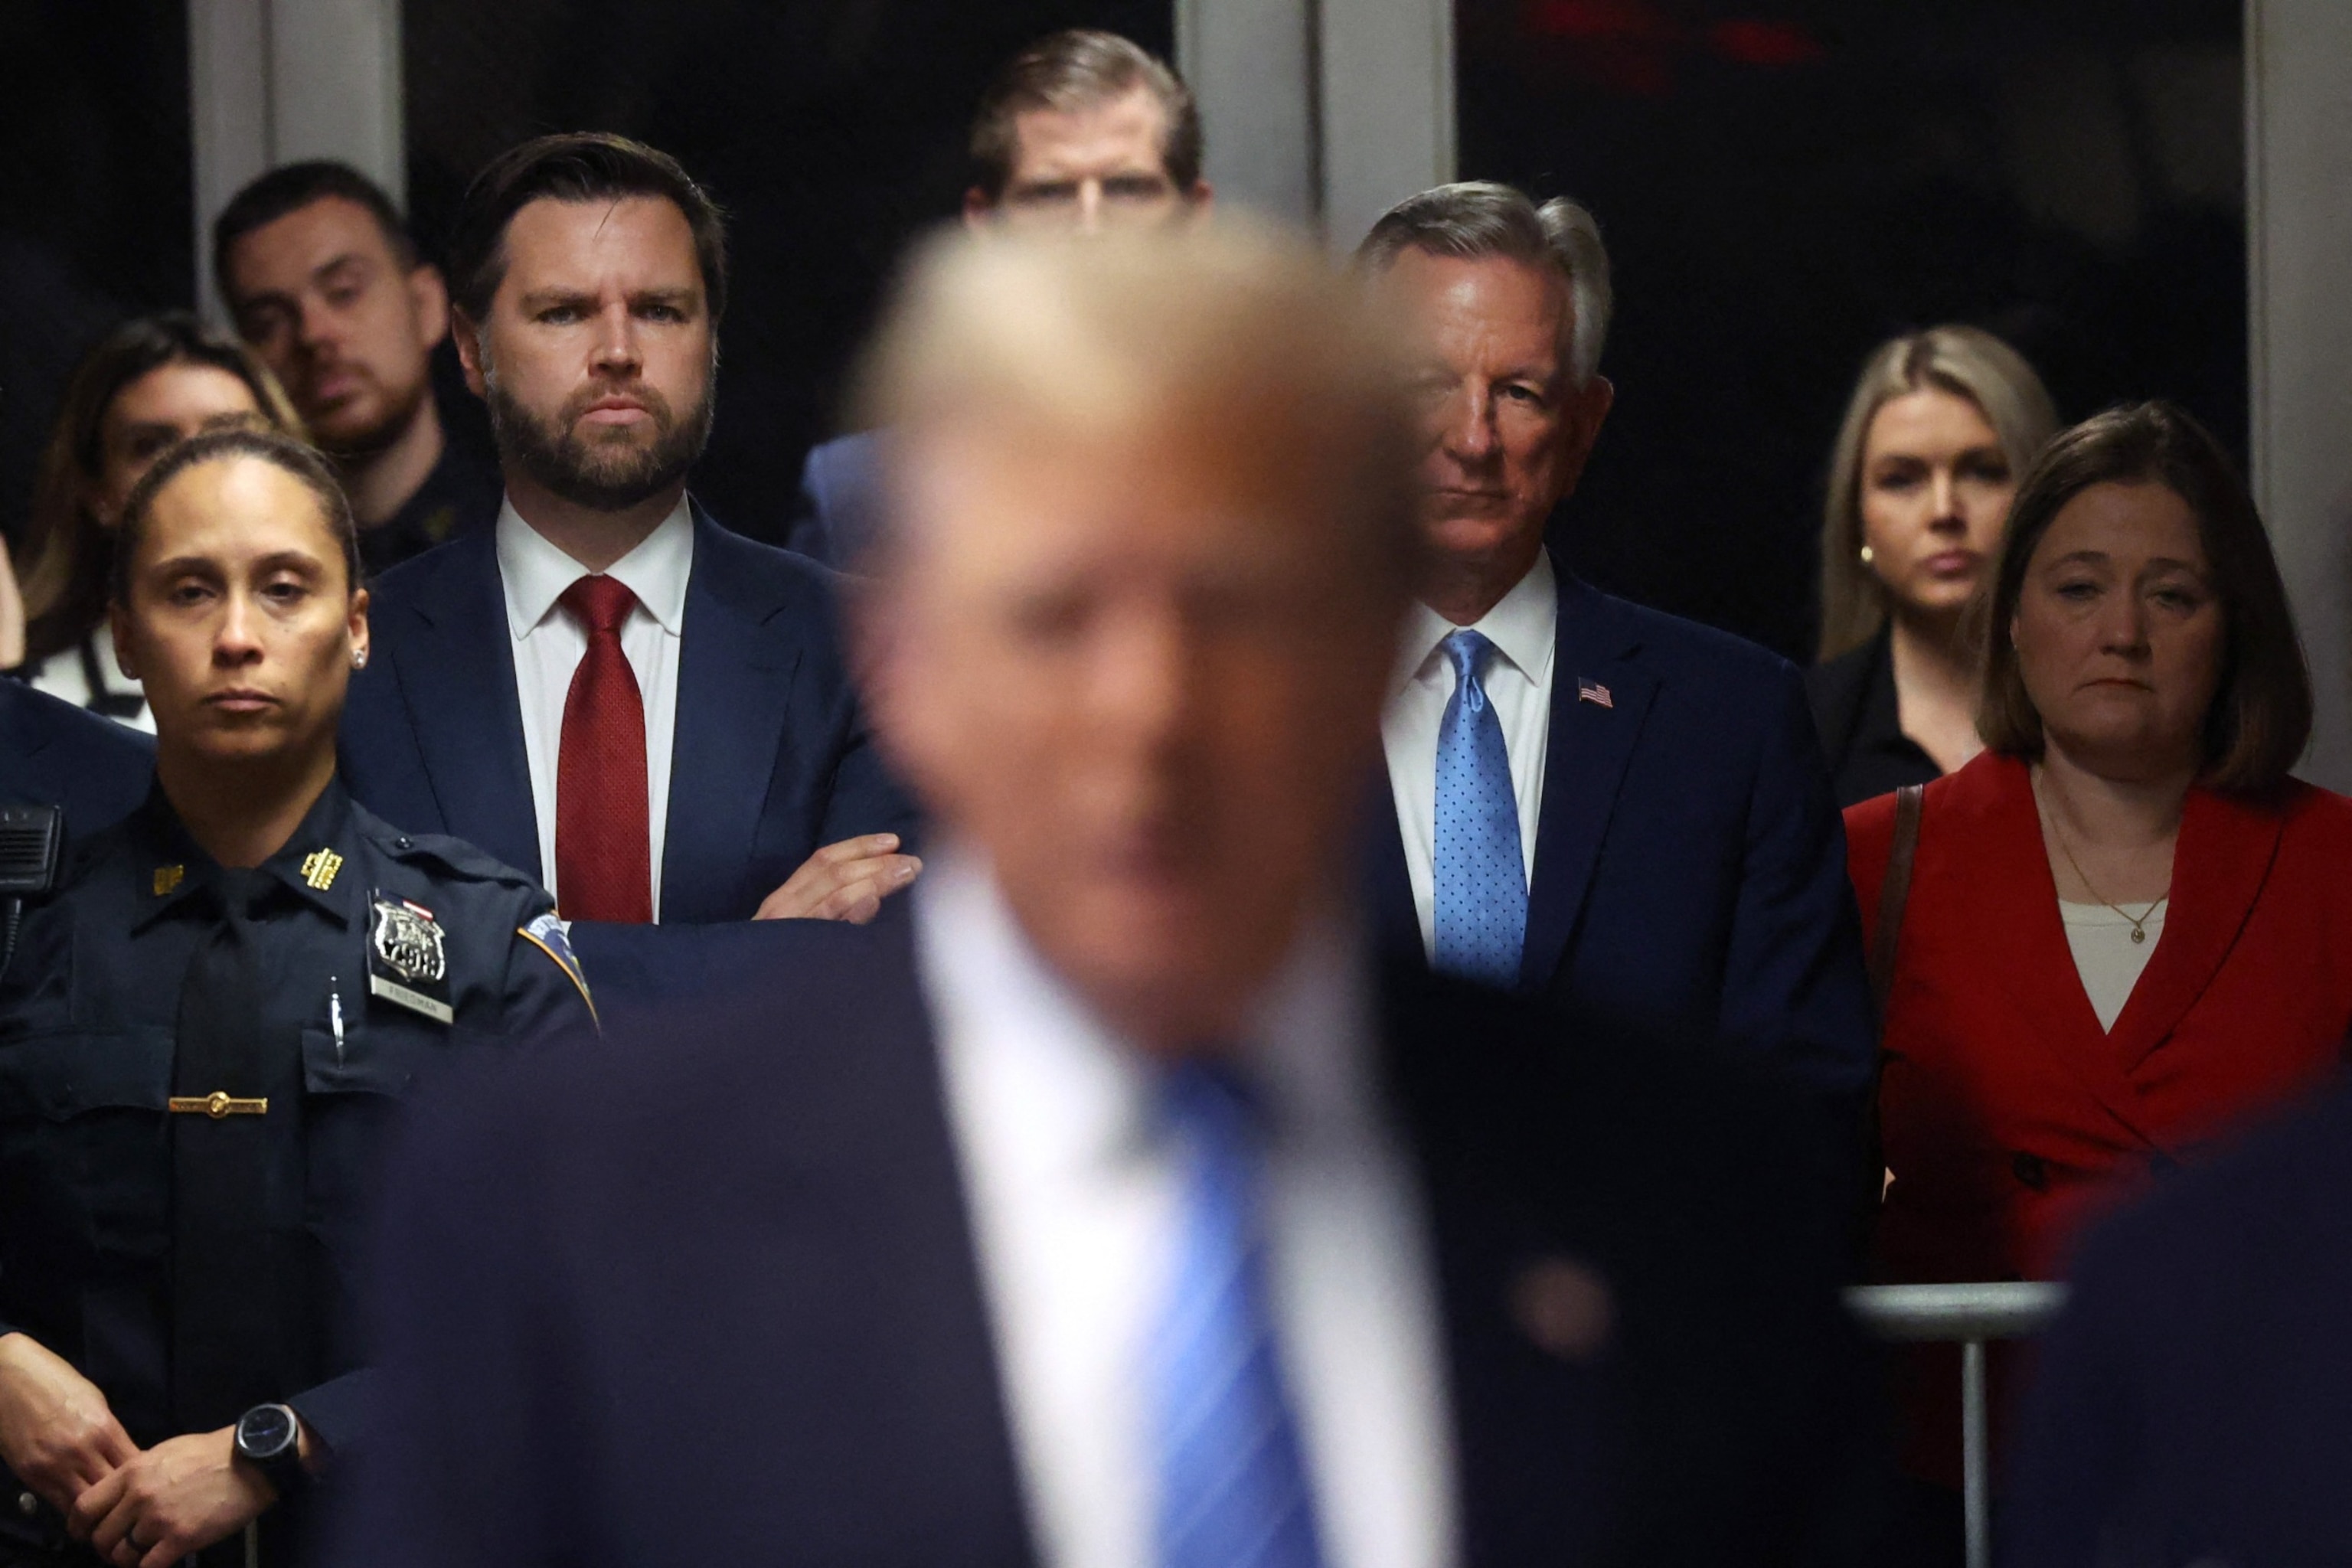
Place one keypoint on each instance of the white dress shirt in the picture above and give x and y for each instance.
(1518, 683)
(66, 676)
(1074, 1195)
(549, 644)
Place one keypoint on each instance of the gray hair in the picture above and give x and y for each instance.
(1478, 219)
(1965, 362)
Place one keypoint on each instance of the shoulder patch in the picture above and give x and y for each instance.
(547, 934)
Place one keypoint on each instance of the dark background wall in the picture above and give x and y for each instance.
(1785, 183)
(833, 132)
(95, 198)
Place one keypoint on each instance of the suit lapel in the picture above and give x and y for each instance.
(1531, 1425)
(734, 685)
(2014, 914)
(460, 665)
(1388, 886)
(1585, 758)
(2223, 858)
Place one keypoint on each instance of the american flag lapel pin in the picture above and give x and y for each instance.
(1593, 691)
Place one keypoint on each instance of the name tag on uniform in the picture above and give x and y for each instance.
(408, 961)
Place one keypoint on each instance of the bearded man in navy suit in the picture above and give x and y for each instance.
(1586, 799)
(1100, 1205)
(608, 690)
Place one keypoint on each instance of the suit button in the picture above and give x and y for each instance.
(402, 842)
(2028, 1169)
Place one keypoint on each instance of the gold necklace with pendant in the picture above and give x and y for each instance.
(2140, 924)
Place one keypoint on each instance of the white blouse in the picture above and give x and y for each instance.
(2104, 954)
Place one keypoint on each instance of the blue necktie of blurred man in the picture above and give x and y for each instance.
(1233, 1491)
(1480, 878)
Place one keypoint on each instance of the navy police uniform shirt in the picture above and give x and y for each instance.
(362, 962)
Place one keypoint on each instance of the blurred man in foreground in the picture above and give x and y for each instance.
(1082, 133)
(1104, 1208)
(2193, 1403)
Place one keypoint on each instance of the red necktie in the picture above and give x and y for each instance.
(603, 859)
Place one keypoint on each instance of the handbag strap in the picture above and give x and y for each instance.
(1894, 893)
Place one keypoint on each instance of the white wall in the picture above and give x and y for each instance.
(2299, 254)
(1322, 112)
(271, 81)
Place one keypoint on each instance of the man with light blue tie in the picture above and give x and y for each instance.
(1588, 801)
(1102, 1205)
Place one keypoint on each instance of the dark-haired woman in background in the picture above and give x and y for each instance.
(2128, 930)
(154, 381)
(1941, 425)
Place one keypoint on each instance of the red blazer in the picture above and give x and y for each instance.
(2009, 1115)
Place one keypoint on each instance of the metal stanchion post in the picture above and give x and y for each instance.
(1976, 1455)
(1969, 1316)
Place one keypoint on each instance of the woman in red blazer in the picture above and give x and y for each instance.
(2128, 931)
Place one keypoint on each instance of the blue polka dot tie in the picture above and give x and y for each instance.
(1233, 1491)
(1479, 878)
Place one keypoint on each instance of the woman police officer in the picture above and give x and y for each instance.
(205, 1034)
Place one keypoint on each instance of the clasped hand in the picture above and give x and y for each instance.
(844, 882)
(137, 1509)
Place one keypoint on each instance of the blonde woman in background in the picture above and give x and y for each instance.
(1941, 425)
(154, 380)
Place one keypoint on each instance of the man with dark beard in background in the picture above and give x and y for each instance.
(649, 713)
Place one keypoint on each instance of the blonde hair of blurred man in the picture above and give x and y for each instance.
(1148, 538)
(1965, 362)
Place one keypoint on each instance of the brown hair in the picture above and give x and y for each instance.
(1080, 68)
(1963, 360)
(68, 556)
(295, 457)
(576, 166)
(2260, 717)
(290, 188)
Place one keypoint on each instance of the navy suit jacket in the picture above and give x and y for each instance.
(770, 760)
(1690, 865)
(54, 753)
(712, 1296)
(834, 516)
(2193, 1403)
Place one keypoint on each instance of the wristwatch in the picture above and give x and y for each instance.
(269, 1439)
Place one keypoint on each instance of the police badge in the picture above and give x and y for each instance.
(408, 963)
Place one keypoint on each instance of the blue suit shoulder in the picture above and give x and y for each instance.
(1731, 665)
(836, 512)
(54, 753)
(803, 579)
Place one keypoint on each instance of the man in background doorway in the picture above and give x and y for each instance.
(323, 278)
(1083, 131)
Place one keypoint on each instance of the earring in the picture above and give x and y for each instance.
(1867, 555)
(359, 660)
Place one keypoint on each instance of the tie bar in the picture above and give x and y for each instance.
(216, 1105)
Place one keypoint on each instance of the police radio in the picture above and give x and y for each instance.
(32, 842)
